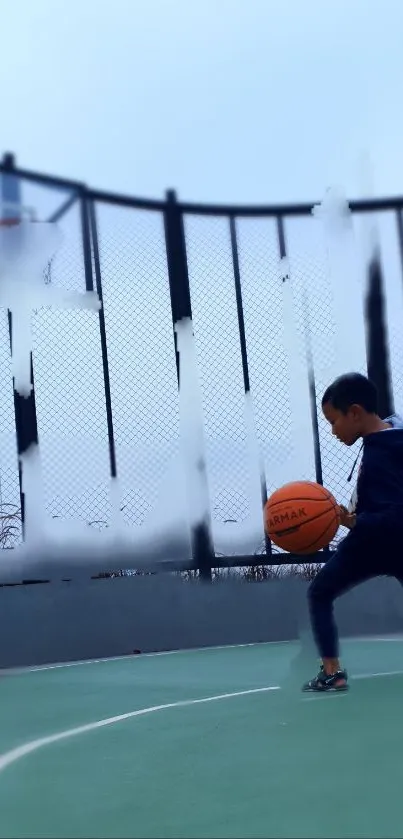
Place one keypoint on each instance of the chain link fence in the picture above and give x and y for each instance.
(289, 317)
(144, 390)
(69, 392)
(268, 338)
(10, 525)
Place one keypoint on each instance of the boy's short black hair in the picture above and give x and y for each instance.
(352, 389)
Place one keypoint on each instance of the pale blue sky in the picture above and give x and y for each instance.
(232, 100)
(225, 100)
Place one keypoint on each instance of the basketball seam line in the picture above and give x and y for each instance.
(305, 521)
(311, 545)
(297, 527)
(303, 498)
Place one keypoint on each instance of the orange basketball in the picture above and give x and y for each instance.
(301, 517)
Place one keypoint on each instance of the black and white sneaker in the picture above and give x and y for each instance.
(323, 682)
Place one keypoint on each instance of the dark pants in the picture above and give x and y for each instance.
(373, 548)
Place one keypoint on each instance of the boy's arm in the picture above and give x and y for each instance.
(347, 519)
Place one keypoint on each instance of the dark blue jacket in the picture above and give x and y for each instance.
(380, 479)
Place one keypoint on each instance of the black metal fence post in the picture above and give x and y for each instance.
(202, 548)
(282, 247)
(26, 425)
(244, 354)
(90, 240)
(378, 364)
(312, 395)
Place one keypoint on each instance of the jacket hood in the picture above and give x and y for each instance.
(395, 420)
(390, 438)
(380, 479)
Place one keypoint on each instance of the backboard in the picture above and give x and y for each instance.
(11, 215)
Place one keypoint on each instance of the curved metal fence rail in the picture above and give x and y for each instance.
(105, 398)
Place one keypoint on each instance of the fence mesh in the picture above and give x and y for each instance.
(69, 375)
(392, 275)
(144, 387)
(10, 522)
(70, 393)
(310, 272)
(220, 369)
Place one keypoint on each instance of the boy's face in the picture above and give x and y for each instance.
(346, 427)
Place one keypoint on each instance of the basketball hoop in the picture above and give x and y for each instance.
(9, 222)
(25, 216)
(27, 250)
(11, 213)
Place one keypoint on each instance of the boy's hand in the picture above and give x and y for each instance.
(346, 519)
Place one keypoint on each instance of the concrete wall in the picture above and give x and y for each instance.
(88, 619)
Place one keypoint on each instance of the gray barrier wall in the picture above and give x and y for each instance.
(59, 621)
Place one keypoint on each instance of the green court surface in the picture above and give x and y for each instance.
(209, 743)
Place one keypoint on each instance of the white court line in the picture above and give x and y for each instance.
(86, 661)
(315, 696)
(38, 668)
(377, 675)
(382, 638)
(8, 758)
(27, 748)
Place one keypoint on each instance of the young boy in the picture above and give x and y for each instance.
(374, 544)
